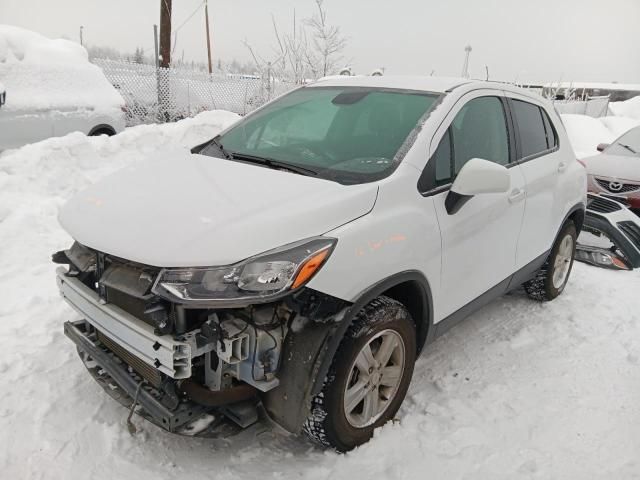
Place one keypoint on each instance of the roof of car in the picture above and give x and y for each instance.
(421, 83)
(427, 84)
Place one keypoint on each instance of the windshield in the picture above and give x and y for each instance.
(350, 135)
(628, 144)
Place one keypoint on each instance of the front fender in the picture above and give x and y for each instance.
(308, 352)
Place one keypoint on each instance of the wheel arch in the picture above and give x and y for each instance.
(576, 215)
(309, 353)
(101, 129)
(411, 288)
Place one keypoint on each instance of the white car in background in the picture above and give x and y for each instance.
(51, 90)
(616, 171)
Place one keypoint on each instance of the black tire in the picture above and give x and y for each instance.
(541, 287)
(327, 423)
(96, 132)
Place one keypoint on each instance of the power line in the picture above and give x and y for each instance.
(175, 32)
(190, 16)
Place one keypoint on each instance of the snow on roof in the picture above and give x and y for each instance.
(428, 84)
(44, 74)
(627, 87)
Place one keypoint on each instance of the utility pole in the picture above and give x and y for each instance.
(164, 93)
(165, 33)
(206, 19)
(81, 40)
(155, 46)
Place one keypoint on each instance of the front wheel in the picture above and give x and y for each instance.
(368, 379)
(551, 279)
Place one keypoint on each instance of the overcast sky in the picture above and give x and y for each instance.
(542, 40)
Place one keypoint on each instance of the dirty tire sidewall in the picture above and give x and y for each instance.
(541, 287)
(328, 424)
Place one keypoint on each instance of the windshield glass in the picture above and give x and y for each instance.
(350, 135)
(628, 144)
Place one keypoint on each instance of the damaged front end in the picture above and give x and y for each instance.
(193, 364)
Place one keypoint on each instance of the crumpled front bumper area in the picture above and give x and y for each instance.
(170, 357)
(152, 370)
(121, 384)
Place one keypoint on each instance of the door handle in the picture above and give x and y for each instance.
(562, 167)
(516, 195)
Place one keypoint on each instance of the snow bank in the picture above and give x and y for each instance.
(44, 74)
(628, 108)
(585, 133)
(619, 125)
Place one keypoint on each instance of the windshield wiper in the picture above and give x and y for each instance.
(224, 152)
(271, 163)
(627, 147)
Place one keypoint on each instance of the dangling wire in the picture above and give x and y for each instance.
(132, 428)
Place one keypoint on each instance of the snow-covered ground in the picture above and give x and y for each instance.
(520, 390)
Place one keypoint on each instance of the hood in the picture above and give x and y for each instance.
(186, 210)
(620, 167)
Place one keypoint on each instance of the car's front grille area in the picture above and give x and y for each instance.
(602, 205)
(624, 187)
(153, 376)
(132, 305)
(632, 231)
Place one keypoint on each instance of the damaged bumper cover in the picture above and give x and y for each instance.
(611, 218)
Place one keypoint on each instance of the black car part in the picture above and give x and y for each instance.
(611, 219)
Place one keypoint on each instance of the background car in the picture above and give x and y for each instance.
(52, 90)
(616, 171)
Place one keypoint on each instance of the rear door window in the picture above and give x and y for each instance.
(531, 126)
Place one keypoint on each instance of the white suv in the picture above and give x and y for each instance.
(302, 259)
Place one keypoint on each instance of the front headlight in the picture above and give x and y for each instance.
(261, 278)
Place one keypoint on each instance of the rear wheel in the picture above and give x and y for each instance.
(368, 379)
(551, 279)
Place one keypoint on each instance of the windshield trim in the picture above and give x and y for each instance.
(345, 177)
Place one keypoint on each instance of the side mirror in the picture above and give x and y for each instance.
(3, 97)
(602, 146)
(476, 177)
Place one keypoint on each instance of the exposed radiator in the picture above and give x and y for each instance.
(153, 376)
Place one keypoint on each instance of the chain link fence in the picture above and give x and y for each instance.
(158, 95)
(592, 106)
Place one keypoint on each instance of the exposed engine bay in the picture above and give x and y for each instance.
(183, 363)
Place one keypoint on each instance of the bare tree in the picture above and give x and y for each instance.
(312, 49)
(327, 41)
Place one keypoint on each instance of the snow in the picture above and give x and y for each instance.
(585, 133)
(627, 108)
(625, 87)
(519, 390)
(43, 74)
